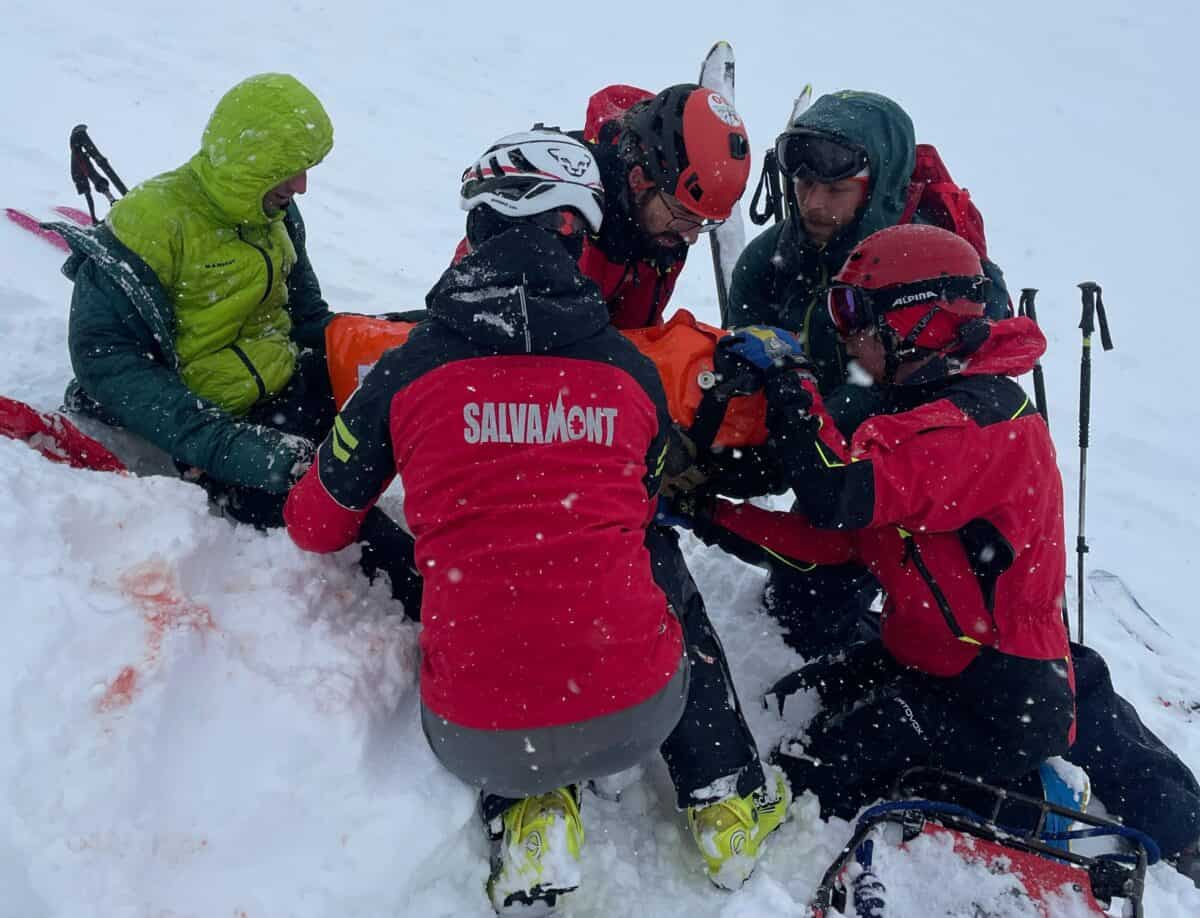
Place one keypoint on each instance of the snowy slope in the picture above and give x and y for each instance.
(203, 721)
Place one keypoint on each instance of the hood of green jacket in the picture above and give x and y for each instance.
(265, 130)
(885, 130)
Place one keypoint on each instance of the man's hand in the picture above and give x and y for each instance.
(792, 392)
(749, 356)
(683, 469)
(285, 457)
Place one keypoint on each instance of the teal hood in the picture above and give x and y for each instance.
(884, 129)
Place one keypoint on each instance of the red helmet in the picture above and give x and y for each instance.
(693, 145)
(923, 281)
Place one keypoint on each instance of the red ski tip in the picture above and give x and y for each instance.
(30, 223)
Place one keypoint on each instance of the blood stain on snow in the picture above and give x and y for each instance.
(153, 588)
(120, 691)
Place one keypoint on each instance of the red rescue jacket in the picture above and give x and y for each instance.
(529, 436)
(955, 505)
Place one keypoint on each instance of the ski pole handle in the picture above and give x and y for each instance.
(1026, 307)
(1087, 324)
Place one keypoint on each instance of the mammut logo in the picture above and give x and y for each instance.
(219, 264)
(915, 298)
(576, 164)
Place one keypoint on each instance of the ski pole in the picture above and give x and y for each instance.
(85, 158)
(1093, 310)
(1027, 308)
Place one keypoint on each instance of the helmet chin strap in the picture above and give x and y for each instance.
(897, 351)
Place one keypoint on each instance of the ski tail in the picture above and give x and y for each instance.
(75, 215)
(717, 72)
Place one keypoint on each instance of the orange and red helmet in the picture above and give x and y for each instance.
(692, 144)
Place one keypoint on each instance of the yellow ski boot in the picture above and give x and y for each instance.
(535, 859)
(730, 833)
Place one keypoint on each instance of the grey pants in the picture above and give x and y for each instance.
(521, 763)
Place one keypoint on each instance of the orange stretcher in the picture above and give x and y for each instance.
(681, 348)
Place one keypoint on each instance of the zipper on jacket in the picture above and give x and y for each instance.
(913, 553)
(525, 316)
(267, 259)
(658, 281)
(258, 380)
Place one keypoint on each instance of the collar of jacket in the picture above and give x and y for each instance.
(130, 273)
(519, 292)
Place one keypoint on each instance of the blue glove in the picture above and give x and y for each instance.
(747, 358)
(763, 346)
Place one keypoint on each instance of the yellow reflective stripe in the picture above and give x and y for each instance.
(1024, 405)
(662, 459)
(343, 442)
(829, 463)
(904, 533)
(967, 640)
(792, 564)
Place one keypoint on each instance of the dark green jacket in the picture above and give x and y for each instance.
(782, 277)
(121, 336)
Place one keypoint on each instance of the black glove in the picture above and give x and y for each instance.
(687, 510)
(786, 392)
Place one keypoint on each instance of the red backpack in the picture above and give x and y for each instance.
(933, 195)
(606, 107)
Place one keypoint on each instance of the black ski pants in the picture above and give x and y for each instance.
(1139, 780)
(998, 720)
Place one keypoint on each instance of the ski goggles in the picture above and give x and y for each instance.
(854, 308)
(810, 155)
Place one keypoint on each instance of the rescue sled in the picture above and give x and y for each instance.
(1035, 862)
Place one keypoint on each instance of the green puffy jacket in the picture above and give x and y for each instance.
(190, 302)
(782, 276)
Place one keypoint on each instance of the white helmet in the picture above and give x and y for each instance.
(534, 172)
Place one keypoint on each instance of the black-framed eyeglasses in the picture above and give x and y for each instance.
(854, 308)
(811, 155)
(684, 221)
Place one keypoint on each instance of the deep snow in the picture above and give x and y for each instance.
(203, 721)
